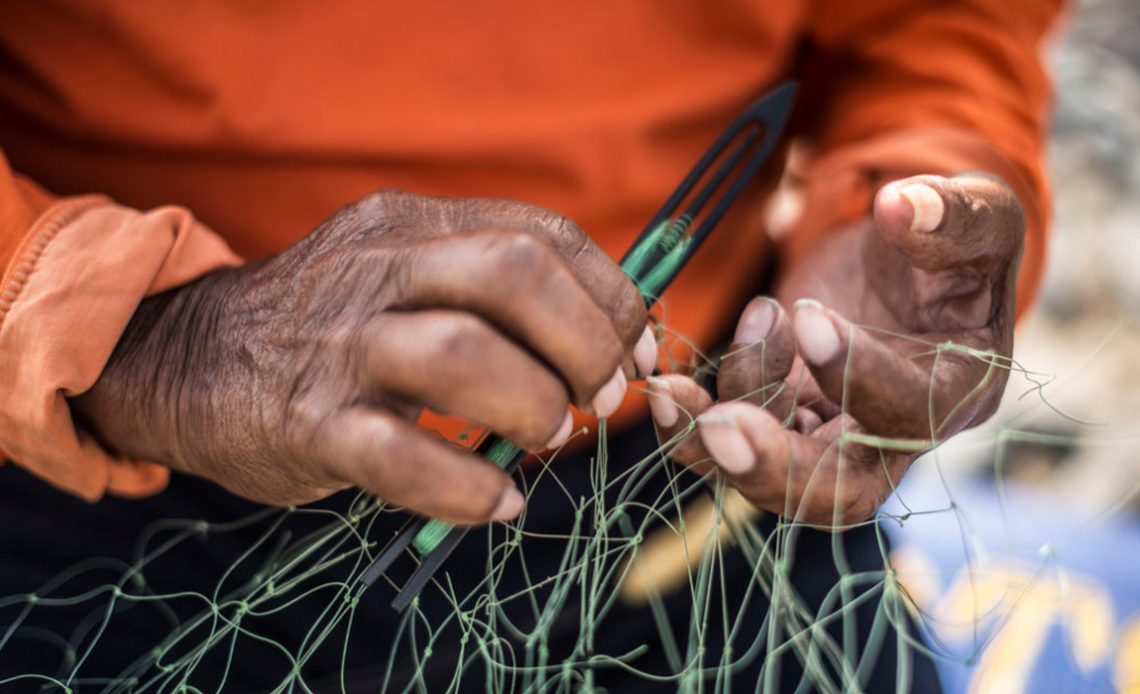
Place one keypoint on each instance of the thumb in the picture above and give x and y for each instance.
(941, 223)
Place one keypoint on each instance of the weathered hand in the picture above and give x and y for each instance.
(303, 374)
(804, 397)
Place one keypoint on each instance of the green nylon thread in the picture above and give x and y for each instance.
(668, 238)
(637, 257)
(654, 281)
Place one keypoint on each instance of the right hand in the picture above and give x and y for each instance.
(292, 378)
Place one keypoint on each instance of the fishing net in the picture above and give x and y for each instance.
(625, 568)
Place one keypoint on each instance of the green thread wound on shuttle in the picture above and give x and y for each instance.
(675, 232)
(434, 531)
(654, 281)
(502, 452)
(669, 238)
(429, 536)
(635, 261)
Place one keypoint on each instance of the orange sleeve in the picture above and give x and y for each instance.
(925, 86)
(74, 271)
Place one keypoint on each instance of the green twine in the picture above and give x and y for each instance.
(635, 261)
(670, 243)
(654, 281)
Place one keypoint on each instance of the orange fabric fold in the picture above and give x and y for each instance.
(66, 298)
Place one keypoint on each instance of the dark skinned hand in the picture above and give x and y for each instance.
(804, 395)
(291, 378)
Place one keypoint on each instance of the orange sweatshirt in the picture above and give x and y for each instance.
(144, 140)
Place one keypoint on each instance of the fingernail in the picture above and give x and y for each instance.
(510, 504)
(816, 337)
(756, 321)
(610, 396)
(727, 444)
(927, 205)
(563, 432)
(645, 352)
(661, 404)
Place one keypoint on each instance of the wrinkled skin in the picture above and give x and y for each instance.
(794, 383)
(303, 374)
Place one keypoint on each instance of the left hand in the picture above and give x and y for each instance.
(823, 411)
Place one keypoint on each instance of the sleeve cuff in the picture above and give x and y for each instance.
(65, 300)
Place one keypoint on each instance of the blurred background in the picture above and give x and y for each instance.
(1028, 579)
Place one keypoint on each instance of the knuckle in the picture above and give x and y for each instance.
(394, 272)
(303, 426)
(565, 234)
(541, 408)
(369, 217)
(983, 202)
(550, 396)
(617, 294)
(378, 204)
(525, 258)
(384, 473)
(463, 340)
(969, 211)
(560, 231)
(384, 198)
(385, 478)
(747, 372)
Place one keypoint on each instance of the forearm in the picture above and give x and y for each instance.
(140, 394)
